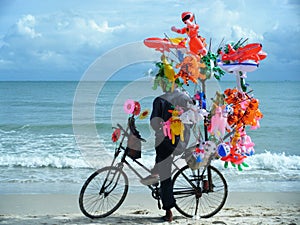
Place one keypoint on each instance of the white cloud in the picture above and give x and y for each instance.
(238, 32)
(26, 26)
(104, 28)
(69, 40)
(5, 62)
(61, 41)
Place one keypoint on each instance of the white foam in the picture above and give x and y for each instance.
(58, 161)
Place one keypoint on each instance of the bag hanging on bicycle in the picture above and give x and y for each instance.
(134, 147)
(195, 160)
(200, 155)
(191, 159)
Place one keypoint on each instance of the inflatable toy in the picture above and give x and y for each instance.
(196, 42)
(190, 69)
(199, 154)
(167, 129)
(200, 97)
(248, 52)
(193, 115)
(223, 149)
(176, 126)
(165, 44)
(218, 123)
(230, 113)
(169, 71)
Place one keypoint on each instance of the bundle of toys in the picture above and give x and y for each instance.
(231, 112)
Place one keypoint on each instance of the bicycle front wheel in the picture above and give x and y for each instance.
(103, 192)
(199, 192)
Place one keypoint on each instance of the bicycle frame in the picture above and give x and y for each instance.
(154, 188)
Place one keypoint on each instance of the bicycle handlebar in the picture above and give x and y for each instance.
(127, 134)
(124, 131)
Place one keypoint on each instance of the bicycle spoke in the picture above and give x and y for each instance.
(103, 192)
(198, 198)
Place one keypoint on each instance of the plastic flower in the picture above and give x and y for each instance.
(116, 135)
(144, 114)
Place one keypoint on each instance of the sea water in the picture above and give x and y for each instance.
(41, 149)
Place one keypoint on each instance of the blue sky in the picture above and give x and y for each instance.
(58, 40)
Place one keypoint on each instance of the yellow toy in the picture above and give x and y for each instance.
(176, 126)
(169, 71)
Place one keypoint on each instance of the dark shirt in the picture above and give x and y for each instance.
(160, 114)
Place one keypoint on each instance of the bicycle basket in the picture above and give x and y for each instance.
(134, 146)
(196, 159)
(191, 159)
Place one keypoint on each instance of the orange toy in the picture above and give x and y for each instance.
(252, 113)
(233, 97)
(190, 69)
(245, 109)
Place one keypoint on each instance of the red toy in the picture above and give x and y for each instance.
(196, 42)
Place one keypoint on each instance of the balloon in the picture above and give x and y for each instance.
(212, 68)
(223, 149)
(246, 145)
(167, 129)
(218, 122)
(196, 42)
(239, 60)
(176, 126)
(190, 69)
(248, 52)
(165, 44)
(169, 71)
(161, 78)
(235, 110)
(192, 116)
(235, 159)
(217, 101)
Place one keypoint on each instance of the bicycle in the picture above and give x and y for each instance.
(201, 192)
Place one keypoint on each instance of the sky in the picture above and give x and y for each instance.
(59, 40)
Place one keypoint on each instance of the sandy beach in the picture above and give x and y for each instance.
(240, 208)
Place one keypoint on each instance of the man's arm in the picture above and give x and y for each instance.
(155, 118)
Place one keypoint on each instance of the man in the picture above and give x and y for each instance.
(163, 144)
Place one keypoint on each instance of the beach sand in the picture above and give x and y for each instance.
(240, 208)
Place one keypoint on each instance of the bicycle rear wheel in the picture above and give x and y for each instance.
(103, 192)
(206, 198)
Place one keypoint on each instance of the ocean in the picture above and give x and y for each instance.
(46, 146)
